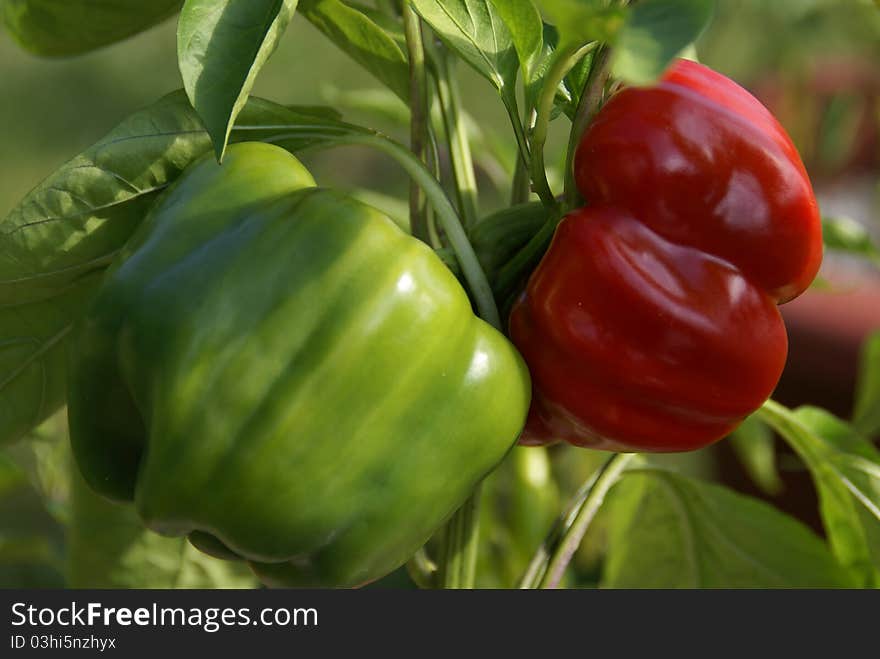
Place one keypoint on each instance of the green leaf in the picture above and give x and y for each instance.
(64, 233)
(866, 416)
(846, 235)
(475, 30)
(657, 31)
(363, 39)
(54, 28)
(581, 21)
(221, 47)
(56, 242)
(107, 547)
(754, 445)
(668, 531)
(523, 21)
(846, 470)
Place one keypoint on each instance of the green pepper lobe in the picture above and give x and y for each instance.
(279, 371)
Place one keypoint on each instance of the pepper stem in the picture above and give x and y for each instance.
(418, 102)
(462, 544)
(552, 558)
(562, 64)
(588, 106)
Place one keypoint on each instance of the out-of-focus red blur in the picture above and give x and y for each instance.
(827, 326)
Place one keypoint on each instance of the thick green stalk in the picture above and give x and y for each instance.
(461, 545)
(588, 105)
(521, 188)
(418, 103)
(562, 64)
(456, 136)
(552, 558)
(433, 163)
(541, 188)
(572, 538)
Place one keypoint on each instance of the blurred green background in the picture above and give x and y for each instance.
(814, 62)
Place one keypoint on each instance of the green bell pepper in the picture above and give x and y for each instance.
(279, 372)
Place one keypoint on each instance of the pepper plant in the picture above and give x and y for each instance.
(261, 371)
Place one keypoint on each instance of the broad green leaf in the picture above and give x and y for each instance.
(754, 445)
(523, 21)
(363, 39)
(581, 21)
(846, 235)
(107, 547)
(59, 28)
(846, 470)
(866, 416)
(221, 47)
(655, 32)
(475, 30)
(669, 531)
(65, 232)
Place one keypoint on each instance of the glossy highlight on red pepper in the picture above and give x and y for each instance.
(651, 323)
(701, 161)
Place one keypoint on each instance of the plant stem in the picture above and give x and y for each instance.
(588, 105)
(456, 136)
(562, 64)
(543, 191)
(433, 163)
(552, 558)
(521, 187)
(418, 102)
(461, 545)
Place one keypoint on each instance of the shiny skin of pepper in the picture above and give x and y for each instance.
(651, 323)
(280, 373)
